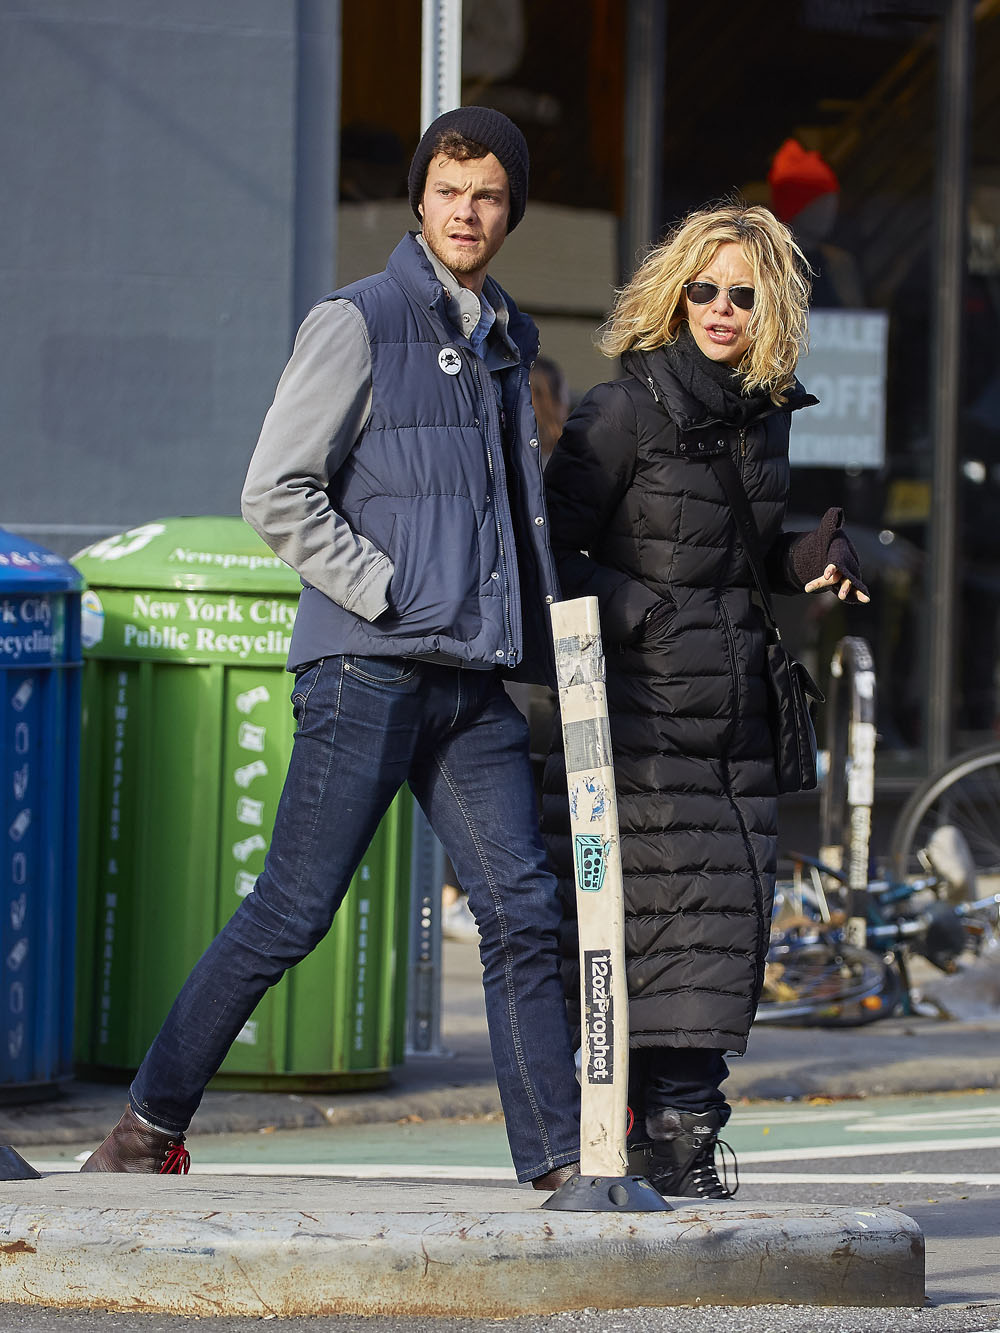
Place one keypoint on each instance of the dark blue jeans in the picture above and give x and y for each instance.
(365, 726)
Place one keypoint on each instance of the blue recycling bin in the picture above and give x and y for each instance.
(40, 670)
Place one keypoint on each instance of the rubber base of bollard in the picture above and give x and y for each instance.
(14, 1167)
(608, 1194)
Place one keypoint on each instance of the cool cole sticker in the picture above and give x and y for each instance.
(591, 860)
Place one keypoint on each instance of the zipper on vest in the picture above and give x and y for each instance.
(499, 492)
(652, 388)
(742, 451)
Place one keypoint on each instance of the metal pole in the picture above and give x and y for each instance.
(423, 1030)
(645, 54)
(441, 67)
(849, 785)
(860, 782)
(440, 91)
(833, 774)
(317, 153)
(950, 228)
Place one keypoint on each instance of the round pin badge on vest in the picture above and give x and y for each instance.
(449, 361)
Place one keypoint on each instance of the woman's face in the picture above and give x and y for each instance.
(719, 327)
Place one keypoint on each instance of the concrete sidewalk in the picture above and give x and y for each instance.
(288, 1246)
(305, 1245)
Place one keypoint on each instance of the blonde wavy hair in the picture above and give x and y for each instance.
(649, 311)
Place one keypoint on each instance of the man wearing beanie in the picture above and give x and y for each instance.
(398, 473)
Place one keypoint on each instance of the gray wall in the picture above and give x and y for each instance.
(168, 170)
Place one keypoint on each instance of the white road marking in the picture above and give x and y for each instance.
(818, 1151)
(809, 1116)
(869, 1121)
(876, 1178)
(985, 1117)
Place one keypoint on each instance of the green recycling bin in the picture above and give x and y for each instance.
(187, 731)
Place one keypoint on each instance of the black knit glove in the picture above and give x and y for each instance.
(845, 557)
(829, 544)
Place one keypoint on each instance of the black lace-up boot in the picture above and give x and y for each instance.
(682, 1161)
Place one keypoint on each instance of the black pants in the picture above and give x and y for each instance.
(680, 1077)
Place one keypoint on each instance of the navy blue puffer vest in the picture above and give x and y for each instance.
(444, 481)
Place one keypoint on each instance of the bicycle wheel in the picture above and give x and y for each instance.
(963, 795)
(826, 984)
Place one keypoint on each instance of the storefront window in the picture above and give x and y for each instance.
(977, 683)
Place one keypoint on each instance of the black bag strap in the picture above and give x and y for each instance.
(732, 483)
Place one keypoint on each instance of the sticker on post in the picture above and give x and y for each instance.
(599, 798)
(591, 854)
(588, 792)
(599, 1016)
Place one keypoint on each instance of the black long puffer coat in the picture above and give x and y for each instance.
(638, 518)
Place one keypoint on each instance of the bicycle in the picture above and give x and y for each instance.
(816, 975)
(962, 795)
(845, 961)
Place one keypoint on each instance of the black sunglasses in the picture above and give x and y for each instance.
(700, 293)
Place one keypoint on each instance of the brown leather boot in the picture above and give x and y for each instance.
(134, 1146)
(553, 1179)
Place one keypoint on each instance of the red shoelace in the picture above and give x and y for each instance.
(177, 1161)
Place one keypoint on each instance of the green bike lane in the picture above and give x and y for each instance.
(947, 1137)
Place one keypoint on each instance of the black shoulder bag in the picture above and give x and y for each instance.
(790, 685)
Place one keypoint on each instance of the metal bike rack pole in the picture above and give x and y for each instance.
(423, 1023)
(440, 90)
(850, 789)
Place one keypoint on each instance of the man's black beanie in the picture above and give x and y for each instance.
(494, 131)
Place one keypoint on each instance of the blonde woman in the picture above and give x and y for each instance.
(709, 332)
